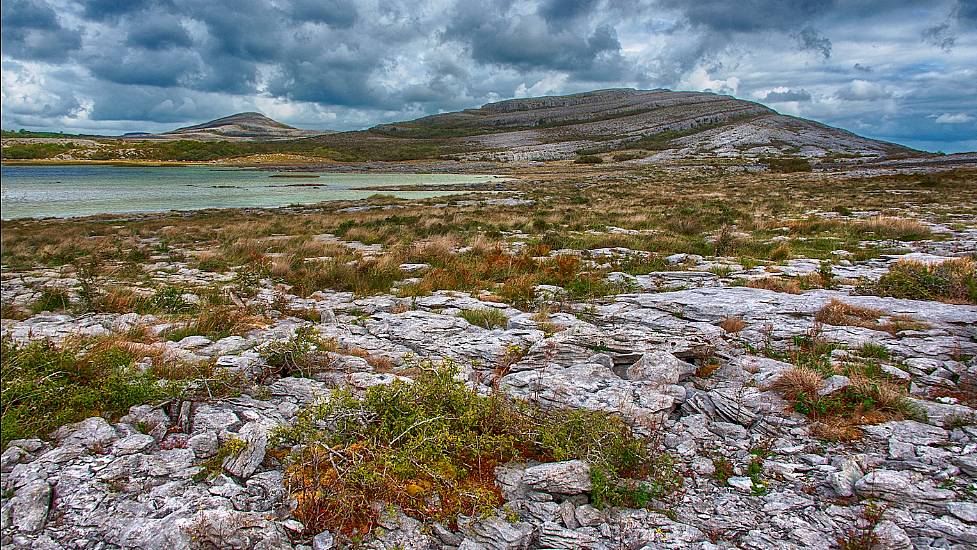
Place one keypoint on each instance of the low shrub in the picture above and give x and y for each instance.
(623, 157)
(45, 386)
(301, 355)
(431, 448)
(953, 281)
(787, 164)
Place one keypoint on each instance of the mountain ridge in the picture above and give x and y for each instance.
(685, 123)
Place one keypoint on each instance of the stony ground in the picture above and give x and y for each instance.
(685, 356)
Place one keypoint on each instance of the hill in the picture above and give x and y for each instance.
(667, 123)
(241, 126)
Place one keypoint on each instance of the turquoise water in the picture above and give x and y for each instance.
(67, 191)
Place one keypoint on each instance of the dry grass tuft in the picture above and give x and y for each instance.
(797, 382)
(776, 284)
(895, 228)
(841, 314)
(732, 324)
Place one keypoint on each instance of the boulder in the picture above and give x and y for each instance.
(566, 478)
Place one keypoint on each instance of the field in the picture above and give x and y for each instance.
(601, 318)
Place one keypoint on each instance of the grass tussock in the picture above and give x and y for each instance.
(776, 284)
(838, 313)
(487, 318)
(886, 227)
(953, 281)
(51, 299)
(733, 324)
(216, 322)
(431, 448)
(870, 398)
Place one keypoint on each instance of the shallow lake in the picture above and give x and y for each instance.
(67, 191)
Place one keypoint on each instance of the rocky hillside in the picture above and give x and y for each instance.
(661, 122)
(242, 126)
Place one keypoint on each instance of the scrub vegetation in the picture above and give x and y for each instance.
(431, 448)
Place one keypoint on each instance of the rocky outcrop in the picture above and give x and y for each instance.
(682, 123)
(202, 473)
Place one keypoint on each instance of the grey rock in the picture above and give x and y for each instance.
(554, 536)
(895, 486)
(741, 484)
(588, 516)
(135, 443)
(660, 368)
(255, 436)
(496, 534)
(891, 537)
(91, 433)
(843, 480)
(833, 384)
(30, 506)
(964, 511)
(568, 478)
(908, 431)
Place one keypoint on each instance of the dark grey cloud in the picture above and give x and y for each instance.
(560, 11)
(102, 10)
(809, 39)
(145, 64)
(750, 15)
(158, 31)
(32, 31)
(787, 95)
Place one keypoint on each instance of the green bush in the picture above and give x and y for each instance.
(301, 355)
(952, 281)
(437, 440)
(45, 386)
(35, 150)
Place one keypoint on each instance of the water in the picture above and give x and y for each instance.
(68, 191)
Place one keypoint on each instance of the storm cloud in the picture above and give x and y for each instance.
(897, 70)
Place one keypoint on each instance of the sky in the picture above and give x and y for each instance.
(902, 71)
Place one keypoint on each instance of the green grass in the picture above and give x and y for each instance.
(437, 440)
(45, 386)
(952, 281)
(51, 299)
(488, 318)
